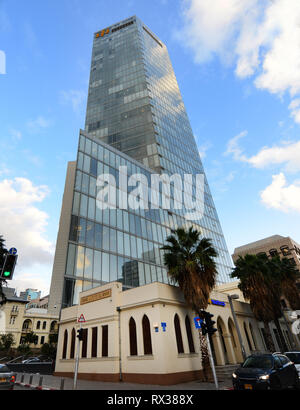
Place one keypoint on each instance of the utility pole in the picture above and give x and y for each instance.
(212, 362)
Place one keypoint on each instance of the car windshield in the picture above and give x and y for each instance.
(4, 369)
(294, 357)
(258, 362)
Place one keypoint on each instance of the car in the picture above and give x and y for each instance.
(295, 358)
(31, 360)
(266, 372)
(7, 378)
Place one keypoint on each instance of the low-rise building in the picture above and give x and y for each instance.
(16, 319)
(275, 245)
(148, 335)
(11, 314)
(41, 323)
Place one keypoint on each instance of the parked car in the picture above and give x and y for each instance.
(31, 360)
(295, 358)
(7, 378)
(38, 359)
(266, 372)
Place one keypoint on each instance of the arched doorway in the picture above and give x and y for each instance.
(238, 356)
(222, 332)
(248, 338)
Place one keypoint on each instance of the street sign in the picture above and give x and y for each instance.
(81, 319)
(13, 251)
(198, 322)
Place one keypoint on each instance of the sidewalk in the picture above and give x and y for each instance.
(52, 382)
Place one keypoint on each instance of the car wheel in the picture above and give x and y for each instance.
(296, 385)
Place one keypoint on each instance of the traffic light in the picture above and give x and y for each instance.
(204, 328)
(208, 325)
(8, 267)
(80, 334)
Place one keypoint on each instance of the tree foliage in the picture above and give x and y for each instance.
(263, 281)
(7, 341)
(191, 265)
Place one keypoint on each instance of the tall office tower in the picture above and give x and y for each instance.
(135, 117)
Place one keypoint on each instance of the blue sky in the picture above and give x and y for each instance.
(238, 69)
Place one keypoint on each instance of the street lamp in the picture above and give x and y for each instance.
(230, 299)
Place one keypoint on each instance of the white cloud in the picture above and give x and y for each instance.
(279, 195)
(76, 98)
(37, 277)
(288, 154)
(234, 148)
(38, 124)
(295, 110)
(15, 135)
(203, 148)
(23, 225)
(259, 37)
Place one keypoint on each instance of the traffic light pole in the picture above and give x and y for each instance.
(77, 362)
(212, 363)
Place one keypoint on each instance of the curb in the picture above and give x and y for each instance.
(33, 387)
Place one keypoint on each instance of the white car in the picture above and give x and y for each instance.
(295, 358)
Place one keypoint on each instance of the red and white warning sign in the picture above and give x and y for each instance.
(81, 319)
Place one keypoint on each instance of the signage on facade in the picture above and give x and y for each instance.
(164, 326)
(96, 296)
(102, 33)
(217, 302)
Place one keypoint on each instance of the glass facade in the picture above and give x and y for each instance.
(135, 118)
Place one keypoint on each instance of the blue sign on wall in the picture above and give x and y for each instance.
(217, 302)
(164, 326)
(198, 322)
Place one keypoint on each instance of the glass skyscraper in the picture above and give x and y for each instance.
(135, 118)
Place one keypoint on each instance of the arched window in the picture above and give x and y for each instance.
(73, 342)
(27, 325)
(65, 346)
(247, 336)
(147, 335)
(53, 326)
(178, 334)
(285, 250)
(231, 333)
(189, 334)
(44, 325)
(132, 337)
(38, 325)
(252, 334)
(273, 252)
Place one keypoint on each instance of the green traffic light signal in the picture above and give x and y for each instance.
(8, 268)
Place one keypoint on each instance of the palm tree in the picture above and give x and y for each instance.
(288, 274)
(3, 251)
(283, 277)
(253, 274)
(191, 265)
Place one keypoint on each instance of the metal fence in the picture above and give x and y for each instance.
(41, 368)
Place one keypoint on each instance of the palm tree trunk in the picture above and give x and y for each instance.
(269, 340)
(283, 346)
(205, 357)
